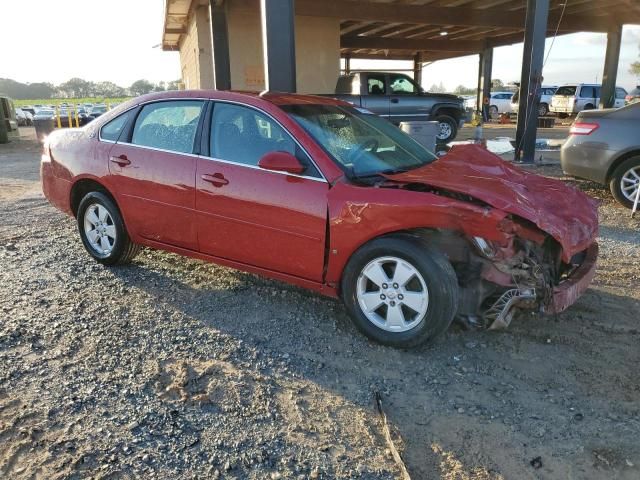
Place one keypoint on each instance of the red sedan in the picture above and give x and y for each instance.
(315, 192)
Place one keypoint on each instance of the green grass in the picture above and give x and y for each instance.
(70, 101)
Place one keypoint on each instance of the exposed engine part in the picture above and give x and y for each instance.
(499, 315)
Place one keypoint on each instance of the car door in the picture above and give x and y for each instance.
(405, 101)
(621, 94)
(586, 97)
(267, 219)
(153, 170)
(377, 95)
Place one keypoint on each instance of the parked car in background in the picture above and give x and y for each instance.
(28, 108)
(327, 196)
(604, 146)
(23, 118)
(98, 109)
(633, 96)
(546, 94)
(9, 114)
(572, 99)
(500, 102)
(44, 114)
(398, 98)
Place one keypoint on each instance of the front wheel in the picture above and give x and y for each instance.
(447, 128)
(625, 181)
(399, 291)
(102, 230)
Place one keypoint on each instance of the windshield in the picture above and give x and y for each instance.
(567, 91)
(362, 144)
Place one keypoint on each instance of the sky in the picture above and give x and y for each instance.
(110, 40)
(114, 40)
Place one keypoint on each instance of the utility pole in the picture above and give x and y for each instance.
(4, 135)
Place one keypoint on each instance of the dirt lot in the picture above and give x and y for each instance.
(172, 368)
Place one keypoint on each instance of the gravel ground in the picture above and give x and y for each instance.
(173, 368)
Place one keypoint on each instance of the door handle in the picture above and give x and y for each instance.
(216, 179)
(121, 160)
(395, 100)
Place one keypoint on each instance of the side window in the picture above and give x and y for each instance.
(375, 85)
(597, 92)
(587, 92)
(111, 130)
(244, 135)
(620, 93)
(168, 125)
(401, 85)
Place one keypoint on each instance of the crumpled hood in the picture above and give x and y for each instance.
(564, 212)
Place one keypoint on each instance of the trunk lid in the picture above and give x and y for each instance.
(562, 211)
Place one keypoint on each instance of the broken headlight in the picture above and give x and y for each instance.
(484, 247)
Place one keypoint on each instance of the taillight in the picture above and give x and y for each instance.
(46, 151)
(628, 98)
(581, 128)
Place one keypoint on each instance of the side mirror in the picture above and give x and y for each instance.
(281, 162)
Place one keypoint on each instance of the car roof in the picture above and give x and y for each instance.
(275, 98)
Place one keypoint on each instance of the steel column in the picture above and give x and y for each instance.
(531, 79)
(484, 83)
(279, 44)
(609, 76)
(347, 64)
(417, 68)
(220, 46)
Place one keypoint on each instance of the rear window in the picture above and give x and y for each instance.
(566, 91)
(111, 130)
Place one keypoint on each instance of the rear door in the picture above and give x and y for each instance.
(377, 94)
(154, 172)
(586, 98)
(257, 217)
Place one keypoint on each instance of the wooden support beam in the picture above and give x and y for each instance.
(386, 43)
(444, 16)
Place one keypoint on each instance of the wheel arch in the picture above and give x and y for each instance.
(447, 109)
(81, 187)
(428, 235)
(619, 159)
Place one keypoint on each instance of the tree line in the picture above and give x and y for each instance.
(80, 88)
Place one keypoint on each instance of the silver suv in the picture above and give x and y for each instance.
(572, 99)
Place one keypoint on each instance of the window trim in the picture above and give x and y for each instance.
(206, 134)
(194, 145)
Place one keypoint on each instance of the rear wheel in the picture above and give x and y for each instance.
(589, 106)
(399, 291)
(543, 109)
(447, 128)
(625, 181)
(493, 111)
(102, 230)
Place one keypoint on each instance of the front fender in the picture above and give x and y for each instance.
(358, 214)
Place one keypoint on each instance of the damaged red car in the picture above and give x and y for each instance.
(317, 193)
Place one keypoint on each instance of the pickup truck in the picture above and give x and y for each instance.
(398, 98)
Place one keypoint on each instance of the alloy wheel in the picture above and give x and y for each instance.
(630, 182)
(445, 131)
(99, 229)
(392, 294)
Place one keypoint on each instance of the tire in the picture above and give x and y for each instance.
(116, 248)
(426, 320)
(622, 176)
(543, 109)
(589, 106)
(448, 128)
(493, 111)
(563, 115)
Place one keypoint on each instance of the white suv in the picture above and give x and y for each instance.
(572, 99)
(545, 100)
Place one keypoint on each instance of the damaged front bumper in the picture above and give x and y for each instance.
(563, 295)
(568, 291)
